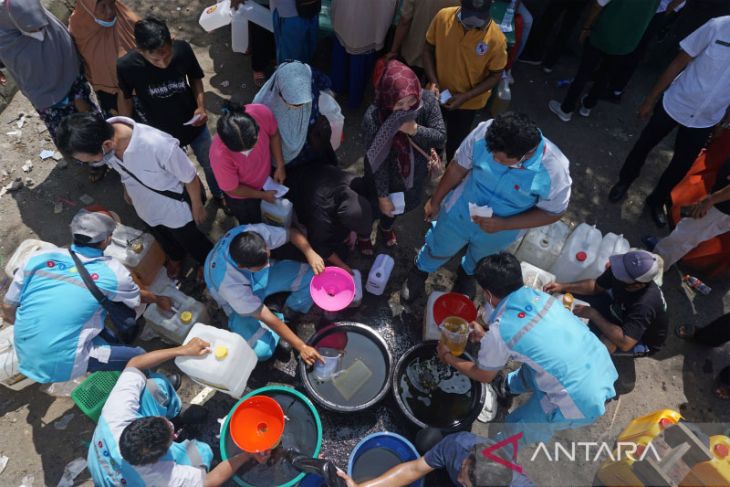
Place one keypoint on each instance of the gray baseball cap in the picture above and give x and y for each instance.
(635, 266)
(97, 226)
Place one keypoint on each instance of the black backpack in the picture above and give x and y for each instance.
(308, 8)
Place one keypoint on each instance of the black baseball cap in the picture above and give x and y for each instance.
(476, 8)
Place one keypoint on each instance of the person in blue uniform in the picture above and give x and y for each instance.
(134, 441)
(564, 365)
(507, 165)
(239, 276)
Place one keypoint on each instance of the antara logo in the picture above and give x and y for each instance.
(512, 440)
(595, 451)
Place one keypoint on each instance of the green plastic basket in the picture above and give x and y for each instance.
(91, 394)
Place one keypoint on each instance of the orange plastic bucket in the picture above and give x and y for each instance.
(257, 424)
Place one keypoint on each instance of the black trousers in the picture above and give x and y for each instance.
(594, 65)
(539, 45)
(458, 125)
(687, 145)
(263, 47)
(716, 333)
(246, 211)
(177, 242)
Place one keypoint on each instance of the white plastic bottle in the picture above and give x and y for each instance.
(278, 213)
(228, 365)
(174, 325)
(239, 30)
(611, 244)
(578, 254)
(542, 245)
(215, 16)
(380, 274)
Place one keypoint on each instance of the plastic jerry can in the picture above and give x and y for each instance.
(542, 245)
(535, 277)
(431, 330)
(174, 325)
(228, 365)
(24, 250)
(278, 213)
(380, 274)
(578, 254)
(357, 300)
(138, 251)
(10, 376)
(256, 13)
(215, 16)
(611, 244)
(715, 471)
(239, 30)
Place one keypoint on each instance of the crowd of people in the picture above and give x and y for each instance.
(117, 91)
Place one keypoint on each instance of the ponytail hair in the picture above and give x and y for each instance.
(237, 129)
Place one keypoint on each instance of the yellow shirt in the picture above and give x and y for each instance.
(464, 58)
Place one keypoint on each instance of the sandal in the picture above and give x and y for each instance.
(389, 237)
(259, 78)
(685, 331)
(365, 246)
(98, 173)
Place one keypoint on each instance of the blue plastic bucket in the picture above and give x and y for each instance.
(398, 445)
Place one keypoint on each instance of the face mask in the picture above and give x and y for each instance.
(472, 22)
(247, 152)
(38, 35)
(106, 158)
(106, 23)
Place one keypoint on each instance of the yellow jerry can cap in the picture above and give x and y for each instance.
(221, 352)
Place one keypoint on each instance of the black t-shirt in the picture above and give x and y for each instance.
(167, 98)
(722, 181)
(642, 314)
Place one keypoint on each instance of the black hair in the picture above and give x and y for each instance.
(512, 133)
(497, 475)
(83, 241)
(145, 440)
(500, 274)
(237, 129)
(83, 133)
(151, 33)
(248, 249)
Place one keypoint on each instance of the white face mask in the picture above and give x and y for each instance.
(39, 35)
(247, 152)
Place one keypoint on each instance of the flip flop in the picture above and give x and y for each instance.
(685, 331)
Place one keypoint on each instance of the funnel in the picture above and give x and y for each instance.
(257, 424)
(333, 289)
(454, 304)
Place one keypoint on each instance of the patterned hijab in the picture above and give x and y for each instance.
(393, 82)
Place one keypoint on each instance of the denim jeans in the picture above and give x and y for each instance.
(118, 357)
(201, 148)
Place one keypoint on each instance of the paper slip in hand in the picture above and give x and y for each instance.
(482, 211)
(271, 185)
(445, 96)
(195, 118)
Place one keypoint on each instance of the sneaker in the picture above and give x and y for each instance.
(583, 111)
(414, 284)
(554, 106)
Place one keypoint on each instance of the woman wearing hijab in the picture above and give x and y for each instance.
(103, 31)
(292, 94)
(403, 127)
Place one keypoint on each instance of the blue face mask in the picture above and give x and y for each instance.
(106, 23)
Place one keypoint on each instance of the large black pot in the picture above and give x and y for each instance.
(377, 356)
(445, 419)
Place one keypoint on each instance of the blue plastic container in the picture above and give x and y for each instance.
(398, 445)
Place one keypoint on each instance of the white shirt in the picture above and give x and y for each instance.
(120, 409)
(700, 95)
(158, 161)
